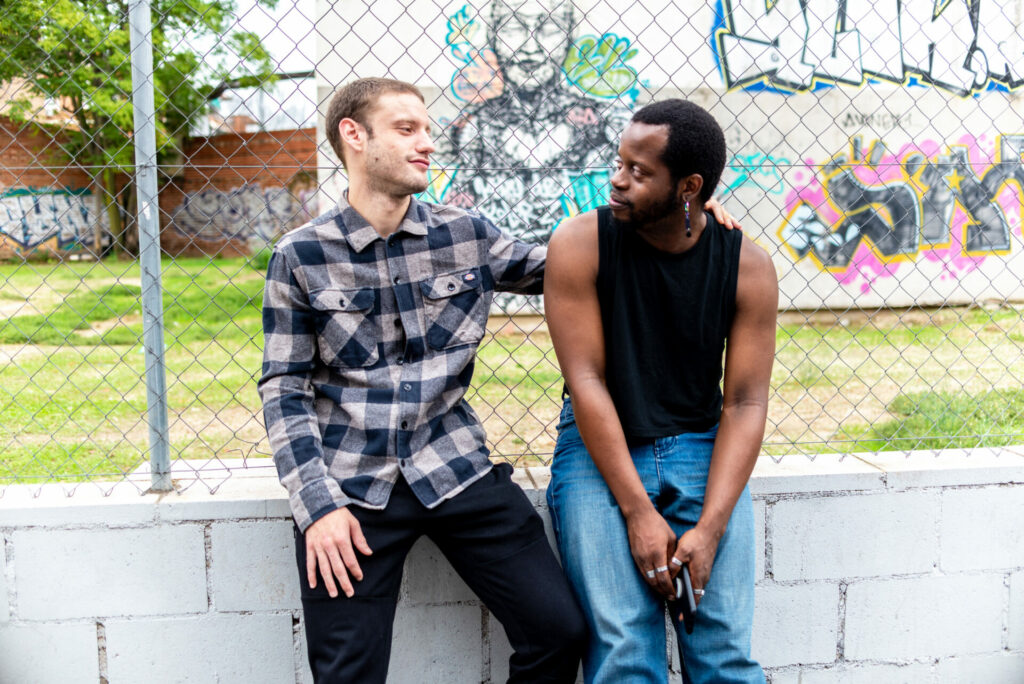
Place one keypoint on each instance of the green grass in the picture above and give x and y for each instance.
(73, 398)
(943, 420)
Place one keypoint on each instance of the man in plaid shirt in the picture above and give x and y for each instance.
(372, 316)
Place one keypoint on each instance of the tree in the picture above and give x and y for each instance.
(77, 53)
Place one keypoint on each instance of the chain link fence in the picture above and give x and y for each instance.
(875, 150)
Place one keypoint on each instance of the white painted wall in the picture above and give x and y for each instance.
(796, 86)
(871, 568)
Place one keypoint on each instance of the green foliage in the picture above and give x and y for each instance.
(78, 53)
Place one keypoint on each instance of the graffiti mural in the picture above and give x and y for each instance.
(541, 115)
(31, 217)
(757, 169)
(962, 46)
(867, 212)
(244, 213)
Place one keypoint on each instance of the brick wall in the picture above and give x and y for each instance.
(231, 193)
(37, 211)
(236, 190)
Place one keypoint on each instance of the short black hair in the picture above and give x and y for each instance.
(696, 143)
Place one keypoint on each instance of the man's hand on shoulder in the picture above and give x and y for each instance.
(331, 543)
(721, 215)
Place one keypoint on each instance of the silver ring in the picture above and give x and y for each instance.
(676, 562)
(650, 574)
(698, 592)
(661, 568)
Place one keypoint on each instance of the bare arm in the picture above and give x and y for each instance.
(574, 319)
(749, 354)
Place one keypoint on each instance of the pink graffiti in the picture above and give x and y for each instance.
(583, 116)
(459, 199)
(867, 266)
(480, 79)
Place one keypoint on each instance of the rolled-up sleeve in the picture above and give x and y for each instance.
(286, 390)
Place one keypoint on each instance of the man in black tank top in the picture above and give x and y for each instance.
(650, 472)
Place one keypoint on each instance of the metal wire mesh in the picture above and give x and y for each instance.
(875, 150)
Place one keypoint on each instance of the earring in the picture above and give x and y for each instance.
(686, 212)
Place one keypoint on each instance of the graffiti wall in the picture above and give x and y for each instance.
(875, 148)
(57, 219)
(541, 109)
(961, 46)
(248, 213)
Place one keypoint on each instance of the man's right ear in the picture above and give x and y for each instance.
(353, 134)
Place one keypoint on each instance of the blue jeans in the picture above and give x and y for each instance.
(626, 617)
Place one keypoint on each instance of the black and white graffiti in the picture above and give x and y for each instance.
(249, 212)
(31, 217)
(536, 139)
(793, 46)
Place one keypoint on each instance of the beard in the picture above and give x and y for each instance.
(637, 219)
(391, 174)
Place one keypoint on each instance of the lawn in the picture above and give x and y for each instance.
(73, 398)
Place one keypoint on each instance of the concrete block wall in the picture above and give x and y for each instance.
(871, 568)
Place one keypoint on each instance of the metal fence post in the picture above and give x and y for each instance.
(149, 242)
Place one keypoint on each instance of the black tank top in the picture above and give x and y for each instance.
(666, 317)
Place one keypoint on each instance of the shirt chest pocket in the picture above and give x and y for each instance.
(348, 332)
(455, 309)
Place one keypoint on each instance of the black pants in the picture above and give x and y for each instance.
(495, 541)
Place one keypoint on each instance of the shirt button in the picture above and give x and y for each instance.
(407, 387)
(397, 278)
(401, 361)
(398, 322)
(451, 286)
(405, 424)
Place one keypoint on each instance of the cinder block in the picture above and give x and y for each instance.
(974, 536)
(253, 566)
(54, 505)
(65, 653)
(245, 495)
(1016, 612)
(437, 644)
(948, 467)
(97, 572)
(910, 673)
(209, 648)
(855, 536)
(301, 657)
(5, 608)
(796, 624)
(991, 668)
(760, 513)
(900, 619)
(826, 473)
(429, 578)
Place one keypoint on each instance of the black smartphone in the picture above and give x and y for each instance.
(685, 599)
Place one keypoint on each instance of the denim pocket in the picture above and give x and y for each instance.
(566, 417)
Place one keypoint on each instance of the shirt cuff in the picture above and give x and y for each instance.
(315, 500)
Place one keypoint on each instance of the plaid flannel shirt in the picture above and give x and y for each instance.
(369, 347)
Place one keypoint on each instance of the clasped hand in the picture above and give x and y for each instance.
(659, 555)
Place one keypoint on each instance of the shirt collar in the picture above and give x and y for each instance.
(360, 234)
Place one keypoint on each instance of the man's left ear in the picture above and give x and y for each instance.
(692, 185)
